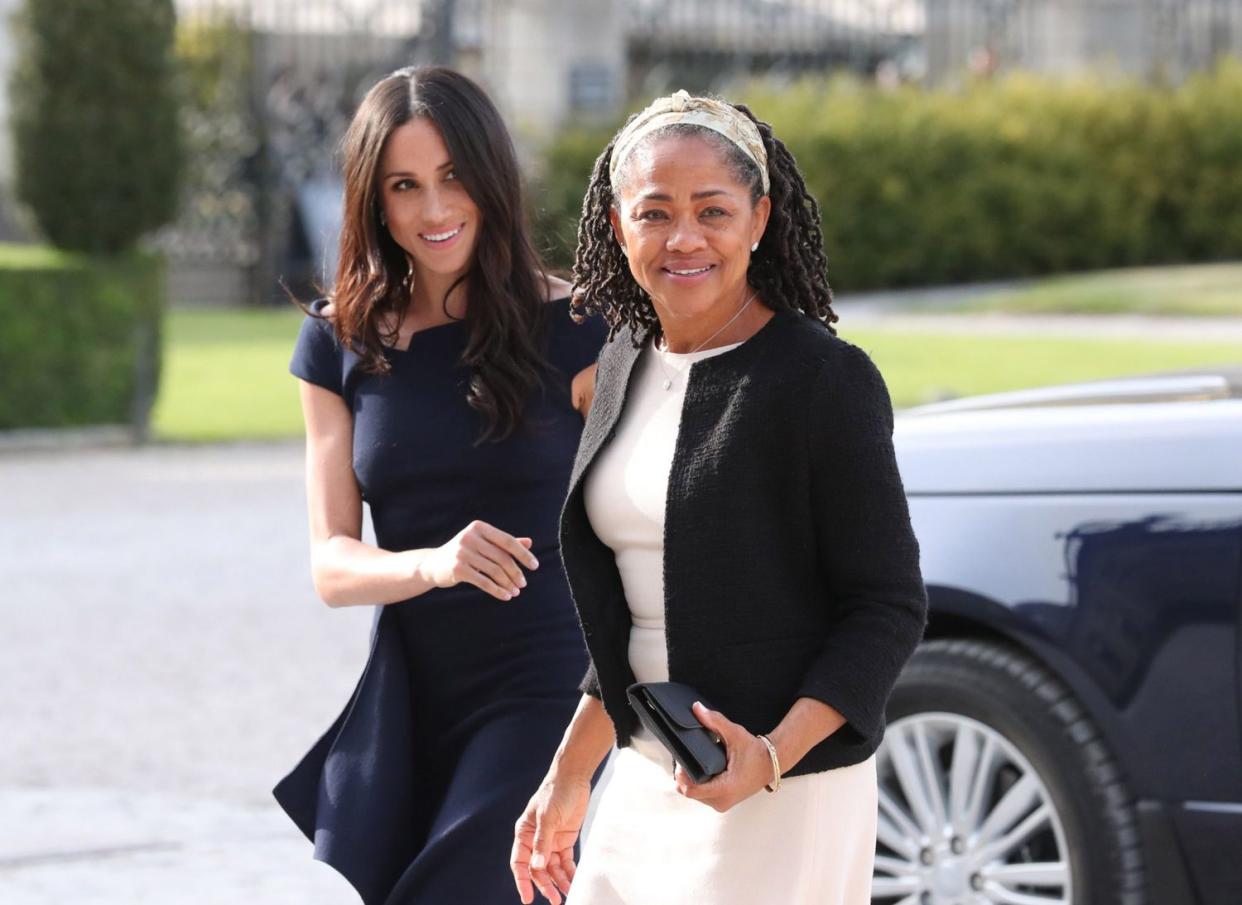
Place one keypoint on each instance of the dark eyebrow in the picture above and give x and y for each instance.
(697, 196)
(443, 166)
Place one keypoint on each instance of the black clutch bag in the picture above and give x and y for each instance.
(664, 708)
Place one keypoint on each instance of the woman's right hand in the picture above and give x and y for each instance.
(544, 838)
(483, 556)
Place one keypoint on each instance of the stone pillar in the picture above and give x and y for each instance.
(548, 62)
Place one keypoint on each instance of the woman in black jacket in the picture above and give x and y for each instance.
(735, 522)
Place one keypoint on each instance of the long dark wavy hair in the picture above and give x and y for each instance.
(506, 279)
(789, 270)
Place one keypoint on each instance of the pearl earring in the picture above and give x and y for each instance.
(755, 247)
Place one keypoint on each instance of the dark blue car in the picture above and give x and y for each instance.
(1071, 730)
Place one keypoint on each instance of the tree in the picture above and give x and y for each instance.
(97, 143)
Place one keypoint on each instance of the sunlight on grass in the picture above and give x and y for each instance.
(926, 367)
(1191, 291)
(226, 371)
(226, 376)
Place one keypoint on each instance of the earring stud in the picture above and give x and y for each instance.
(755, 247)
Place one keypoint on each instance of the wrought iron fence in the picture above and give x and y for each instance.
(270, 85)
(700, 45)
(929, 41)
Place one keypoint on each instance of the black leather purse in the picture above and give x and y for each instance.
(664, 708)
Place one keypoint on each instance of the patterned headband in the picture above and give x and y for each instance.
(682, 108)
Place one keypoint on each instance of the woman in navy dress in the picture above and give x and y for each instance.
(443, 384)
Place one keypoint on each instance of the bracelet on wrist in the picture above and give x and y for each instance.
(775, 784)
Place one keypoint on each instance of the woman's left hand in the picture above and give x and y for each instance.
(748, 765)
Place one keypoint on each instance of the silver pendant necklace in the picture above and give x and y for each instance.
(668, 379)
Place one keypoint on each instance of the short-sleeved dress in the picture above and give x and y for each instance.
(413, 791)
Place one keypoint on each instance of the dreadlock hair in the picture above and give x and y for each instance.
(789, 270)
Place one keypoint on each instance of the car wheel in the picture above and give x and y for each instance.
(995, 787)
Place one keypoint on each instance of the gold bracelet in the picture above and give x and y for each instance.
(775, 784)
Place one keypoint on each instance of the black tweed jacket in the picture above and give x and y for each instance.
(790, 567)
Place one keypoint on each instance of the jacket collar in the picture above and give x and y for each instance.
(616, 370)
(616, 367)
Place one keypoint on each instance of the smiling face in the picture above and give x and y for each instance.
(429, 212)
(687, 223)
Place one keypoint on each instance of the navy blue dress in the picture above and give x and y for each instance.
(413, 791)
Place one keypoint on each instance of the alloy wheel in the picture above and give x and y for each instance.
(964, 819)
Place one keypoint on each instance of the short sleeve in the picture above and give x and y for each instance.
(576, 345)
(317, 354)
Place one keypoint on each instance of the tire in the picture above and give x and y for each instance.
(1048, 820)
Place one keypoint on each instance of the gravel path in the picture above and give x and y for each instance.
(163, 660)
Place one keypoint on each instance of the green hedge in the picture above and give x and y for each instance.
(556, 196)
(1011, 178)
(80, 342)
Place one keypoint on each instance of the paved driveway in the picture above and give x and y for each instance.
(163, 659)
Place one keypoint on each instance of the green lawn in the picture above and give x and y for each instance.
(226, 377)
(1191, 291)
(925, 367)
(14, 254)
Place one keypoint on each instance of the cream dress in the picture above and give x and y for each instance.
(811, 843)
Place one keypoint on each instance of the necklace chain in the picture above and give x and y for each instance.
(668, 380)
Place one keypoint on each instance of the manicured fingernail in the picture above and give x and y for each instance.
(537, 862)
(522, 581)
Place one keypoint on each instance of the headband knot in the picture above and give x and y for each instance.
(684, 108)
